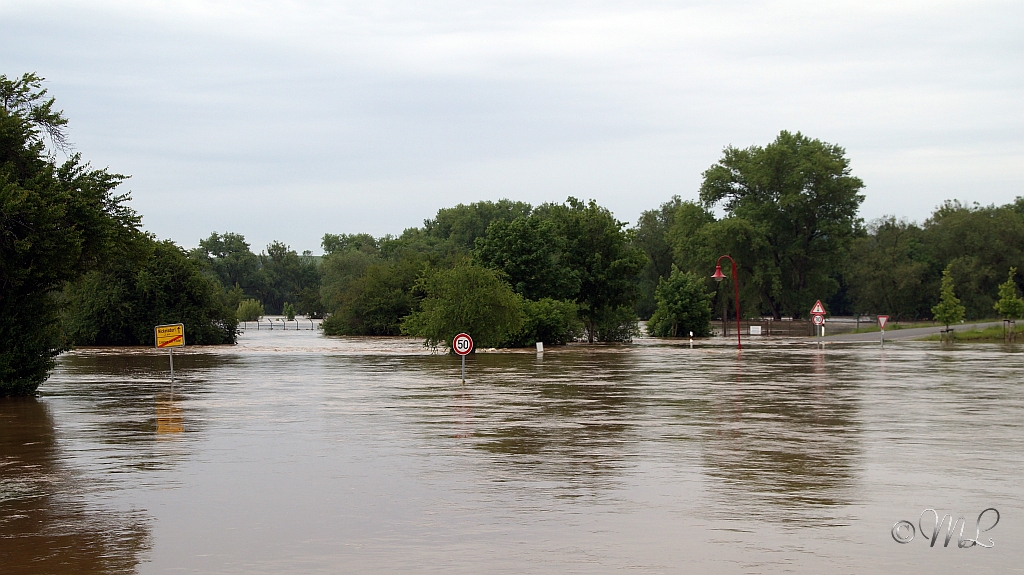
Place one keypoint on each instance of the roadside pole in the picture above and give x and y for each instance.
(882, 320)
(818, 319)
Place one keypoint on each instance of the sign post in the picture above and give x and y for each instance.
(462, 344)
(169, 337)
(882, 320)
(818, 318)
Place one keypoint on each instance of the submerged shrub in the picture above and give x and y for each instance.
(466, 298)
(249, 310)
(683, 305)
(551, 321)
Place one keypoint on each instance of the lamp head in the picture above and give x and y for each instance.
(719, 276)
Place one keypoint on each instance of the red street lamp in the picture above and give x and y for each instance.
(718, 277)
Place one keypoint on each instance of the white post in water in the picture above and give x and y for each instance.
(540, 347)
(171, 353)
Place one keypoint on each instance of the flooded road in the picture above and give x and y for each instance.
(296, 453)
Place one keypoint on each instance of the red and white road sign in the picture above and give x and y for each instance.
(882, 320)
(462, 344)
(818, 309)
(818, 319)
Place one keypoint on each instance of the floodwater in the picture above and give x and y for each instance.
(296, 453)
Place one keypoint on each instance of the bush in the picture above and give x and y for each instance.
(547, 320)
(465, 298)
(288, 310)
(684, 305)
(249, 310)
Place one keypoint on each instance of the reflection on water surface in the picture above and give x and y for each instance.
(296, 453)
(48, 522)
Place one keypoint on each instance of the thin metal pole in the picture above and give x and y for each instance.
(463, 369)
(736, 283)
(171, 352)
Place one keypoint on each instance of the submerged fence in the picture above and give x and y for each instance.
(281, 323)
(788, 327)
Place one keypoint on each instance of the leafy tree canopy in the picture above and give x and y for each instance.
(652, 236)
(606, 262)
(156, 284)
(530, 251)
(466, 298)
(57, 221)
(684, 306)
(549, 321)
(228, 258)
(463, 224)
(978, 244)
(889, 270)
(801, 203)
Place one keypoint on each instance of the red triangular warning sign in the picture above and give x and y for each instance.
(882, 319)
(818, 309)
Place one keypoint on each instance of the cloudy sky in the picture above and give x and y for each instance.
(285, 120)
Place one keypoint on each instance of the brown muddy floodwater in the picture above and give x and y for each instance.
(296, 453)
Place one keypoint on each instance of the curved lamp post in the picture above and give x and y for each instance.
(718, 277)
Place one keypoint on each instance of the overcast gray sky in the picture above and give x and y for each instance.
(286, 120)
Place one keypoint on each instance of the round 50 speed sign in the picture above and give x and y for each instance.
(462, 344)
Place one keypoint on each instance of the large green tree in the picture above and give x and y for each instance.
(799, 202)
(601, 252)
(57, 221)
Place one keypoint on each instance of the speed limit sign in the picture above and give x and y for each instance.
(462, 344)
(819, 320)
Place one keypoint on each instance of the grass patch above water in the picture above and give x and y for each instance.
(893, 326)
(992, 334)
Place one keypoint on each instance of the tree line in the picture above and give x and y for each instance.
(76, 268)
